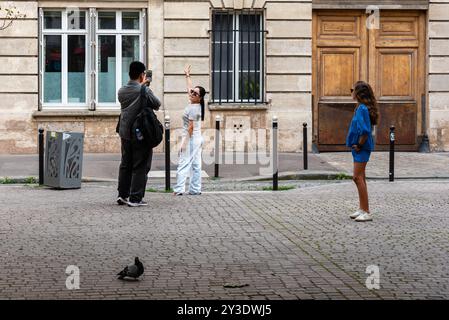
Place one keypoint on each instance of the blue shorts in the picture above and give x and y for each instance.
(361, 156)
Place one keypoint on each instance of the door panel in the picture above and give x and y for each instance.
(398, 30)
(334, 130)
(403, 116)
(397, 73)
(341, 27)
(340, 59)
(391, 59)
(340, 67)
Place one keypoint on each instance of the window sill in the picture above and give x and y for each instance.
(75, 114)
(238, 106)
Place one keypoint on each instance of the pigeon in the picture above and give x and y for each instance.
(132, 271)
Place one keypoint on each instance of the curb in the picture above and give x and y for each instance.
(26, 180)
(330, 175)
(311, 175)
(283, 176)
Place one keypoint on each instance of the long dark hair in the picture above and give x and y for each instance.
(365, 95)
(202, 94)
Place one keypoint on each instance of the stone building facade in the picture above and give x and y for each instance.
(63, 77)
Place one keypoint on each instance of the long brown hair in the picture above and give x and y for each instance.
(365, 95)
(202, 94)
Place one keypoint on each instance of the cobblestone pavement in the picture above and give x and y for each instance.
(285, 245)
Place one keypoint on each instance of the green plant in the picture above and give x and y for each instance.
(280, 188)
(342, 176)
(6, 180)
(31, 180)
(250, 89)
(159, 191)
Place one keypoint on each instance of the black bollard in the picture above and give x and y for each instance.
(41, 156)
(217, 146)
(392, 139)
(306, 162)
(275, 154)
(167, 153)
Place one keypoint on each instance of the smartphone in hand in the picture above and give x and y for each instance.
(149, 76)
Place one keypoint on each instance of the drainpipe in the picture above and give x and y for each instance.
(424, 146)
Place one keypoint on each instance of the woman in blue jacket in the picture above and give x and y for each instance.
(360, 140)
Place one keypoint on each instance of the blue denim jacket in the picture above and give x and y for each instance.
(360, 126)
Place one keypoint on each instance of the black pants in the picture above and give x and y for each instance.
(134, 168)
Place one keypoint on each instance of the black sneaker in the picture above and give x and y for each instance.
(137, 204)
(122, 201)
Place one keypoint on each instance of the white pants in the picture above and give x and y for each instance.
(190, 166)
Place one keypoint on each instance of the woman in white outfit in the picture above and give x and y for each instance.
(189, 164)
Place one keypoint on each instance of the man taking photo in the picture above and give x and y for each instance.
(136, 157)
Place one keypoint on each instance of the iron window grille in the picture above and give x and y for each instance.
(237, 57)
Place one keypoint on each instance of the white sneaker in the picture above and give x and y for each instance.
(356, 214)
(137, 204)
(364, 217)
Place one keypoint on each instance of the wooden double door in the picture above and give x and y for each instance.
(391, 58)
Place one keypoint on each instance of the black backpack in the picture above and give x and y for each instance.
(147, 123)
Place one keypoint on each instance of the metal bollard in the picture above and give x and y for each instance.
(167, 153)
(217, 146)
(304, 133)
(392, 139)
(275, 154)
(41, 156)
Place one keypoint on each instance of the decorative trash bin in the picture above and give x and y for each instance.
(63, 159)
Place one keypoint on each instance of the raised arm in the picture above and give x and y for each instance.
(153, 101)
(188, 80)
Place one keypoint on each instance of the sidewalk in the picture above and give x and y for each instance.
(408, 165)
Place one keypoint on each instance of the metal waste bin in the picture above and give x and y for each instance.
(63, 159)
